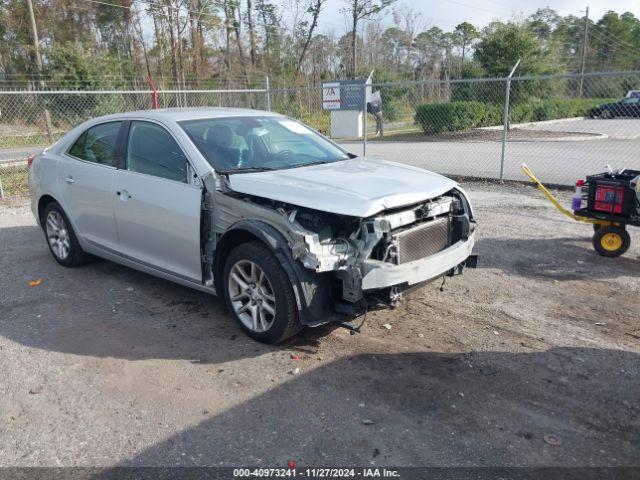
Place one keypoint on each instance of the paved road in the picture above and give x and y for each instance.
(560, 162)
(18, 153)
(555, 162)
(616, 128)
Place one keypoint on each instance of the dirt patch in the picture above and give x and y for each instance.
(531, 359)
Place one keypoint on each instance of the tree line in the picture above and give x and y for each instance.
(235, 43)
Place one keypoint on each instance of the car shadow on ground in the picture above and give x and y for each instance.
(103, 309)
(564, 258)
(564, 406)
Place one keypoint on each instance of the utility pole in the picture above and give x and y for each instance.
(38, 58)
(584, 49)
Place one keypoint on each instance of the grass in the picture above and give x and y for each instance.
(15, 180)
(408, 133)
(29, 140)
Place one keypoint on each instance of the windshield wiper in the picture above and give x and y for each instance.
(248, 170)
(319, 162)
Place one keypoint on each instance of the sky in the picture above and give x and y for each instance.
(446, 14)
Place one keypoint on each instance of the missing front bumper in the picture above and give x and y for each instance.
(378, 274)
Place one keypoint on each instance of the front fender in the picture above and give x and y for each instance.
(312, 290)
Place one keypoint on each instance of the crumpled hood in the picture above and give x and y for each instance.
(359, 187)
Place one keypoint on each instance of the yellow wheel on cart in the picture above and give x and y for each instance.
(611, 241)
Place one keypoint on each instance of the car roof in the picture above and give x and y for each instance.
(194, 113)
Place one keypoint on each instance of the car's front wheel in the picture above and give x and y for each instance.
(259, 295)
(61, 238)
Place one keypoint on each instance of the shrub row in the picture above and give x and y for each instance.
(450, 117)
(463, 115)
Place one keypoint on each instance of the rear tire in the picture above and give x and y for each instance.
(606, 114)
(258, 294)
(611, 241)
(61, 238)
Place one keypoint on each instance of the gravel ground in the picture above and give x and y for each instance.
(531, 359)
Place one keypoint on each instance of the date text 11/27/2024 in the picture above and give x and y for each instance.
(293, 472)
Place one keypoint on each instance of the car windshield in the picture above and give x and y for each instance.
(245, 144)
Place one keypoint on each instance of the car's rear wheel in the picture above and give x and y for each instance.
(61, 238)
(606, 113)
(259, 295)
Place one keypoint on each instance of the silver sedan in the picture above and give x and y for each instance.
(290, 228)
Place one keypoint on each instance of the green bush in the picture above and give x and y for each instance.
(493, 116)
(450, 117)
(463, 115)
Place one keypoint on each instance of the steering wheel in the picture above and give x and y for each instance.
(283, 154)
(277, 158)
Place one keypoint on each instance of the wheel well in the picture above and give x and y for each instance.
(42, 205)
(228, 242)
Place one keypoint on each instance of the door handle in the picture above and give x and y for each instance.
(68, 179)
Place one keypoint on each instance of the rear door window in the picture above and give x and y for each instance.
(98, 144)
(153, 151)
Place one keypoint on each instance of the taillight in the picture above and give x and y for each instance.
(30, 160)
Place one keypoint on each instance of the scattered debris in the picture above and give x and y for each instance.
(295, 357)
(387, 326)
(36, 390)
(600, 323)
(421, 335)
(552, 440)
(361, 405)
(367, 421)
(376, 452)
(495, 332)
(295, 371)
(461, 394)
(130, 289)
(36, 282)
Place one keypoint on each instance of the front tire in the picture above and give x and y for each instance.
(259, 295)
(61, 238)
(611, 241)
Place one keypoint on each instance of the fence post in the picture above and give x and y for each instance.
(505, 125)
(364, 122)
(1, 190)
(267, 93)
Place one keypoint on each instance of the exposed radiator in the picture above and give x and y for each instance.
(423, 240)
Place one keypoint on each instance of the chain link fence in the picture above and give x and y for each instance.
(563, 126)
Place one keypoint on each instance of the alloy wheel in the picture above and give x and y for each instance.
(252, 296)
(58, 235)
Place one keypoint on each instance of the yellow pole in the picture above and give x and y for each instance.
(555, 202)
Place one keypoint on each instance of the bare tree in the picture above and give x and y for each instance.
(252, 38)
(359, 10)
(314, 9)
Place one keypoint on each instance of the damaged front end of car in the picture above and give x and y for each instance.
(342, 265)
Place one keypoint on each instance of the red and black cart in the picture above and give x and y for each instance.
(611, 203)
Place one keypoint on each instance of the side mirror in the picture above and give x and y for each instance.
(635, 184)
